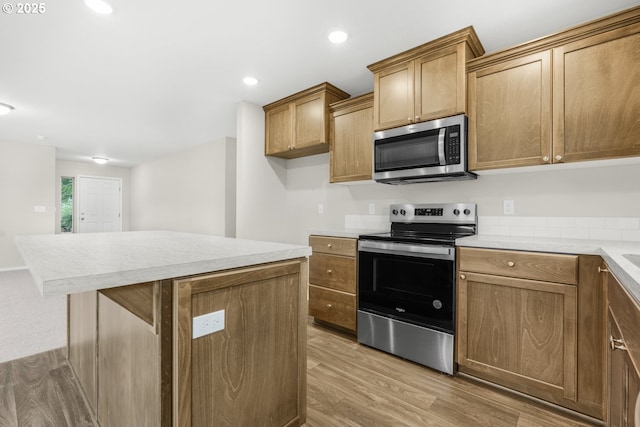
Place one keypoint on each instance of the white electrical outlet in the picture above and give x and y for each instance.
(208, 323)
(372, 208)
(508, 207)
(320, 208)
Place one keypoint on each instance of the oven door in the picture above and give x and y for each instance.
(409, 282)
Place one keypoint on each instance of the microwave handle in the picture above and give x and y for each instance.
(441, 154)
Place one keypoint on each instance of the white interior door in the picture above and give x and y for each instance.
(99, 204)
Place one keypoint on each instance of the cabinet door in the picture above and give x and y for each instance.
(440, 84)
(351, 144)
(279, 129)
(596, 103)
(309, 122)
(519, 333)
(393, 103)
(510, 113)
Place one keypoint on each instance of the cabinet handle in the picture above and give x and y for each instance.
(329, 306)
(409, 119)
(511, 263)
(417, 118)
(463, 276)
(617, 344)
(329, 271)
(602, 270)
(558, 157)
(545, 159)
(329, 245)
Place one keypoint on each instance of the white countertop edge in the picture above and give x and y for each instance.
(611, 251)
(55, 287)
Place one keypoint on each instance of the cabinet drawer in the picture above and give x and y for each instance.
(331, 271)
(338, 308)
(525, 265)
(334, 245)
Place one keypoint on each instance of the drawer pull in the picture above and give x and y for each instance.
(329, 271)
(617, 344)
(329, 306)
(603, 270)
(511, 263)
(462, 276)
(329, 245)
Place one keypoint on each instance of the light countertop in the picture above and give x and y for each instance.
(68, 263)
(611, 251)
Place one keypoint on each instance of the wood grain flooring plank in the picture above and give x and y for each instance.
(6, 373)
(29, 370)
(37, 404)
(55, 358)
(8, 416)
(70, 397)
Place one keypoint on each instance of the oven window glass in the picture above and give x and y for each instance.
(413, 289)
(417, 150)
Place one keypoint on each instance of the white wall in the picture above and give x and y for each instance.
(191, 191)
(73, 169)
(27, 179)
(297, 186)
(261, 186)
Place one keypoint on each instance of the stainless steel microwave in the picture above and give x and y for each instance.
(430, 151)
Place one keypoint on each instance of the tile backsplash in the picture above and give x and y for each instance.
(596, 228)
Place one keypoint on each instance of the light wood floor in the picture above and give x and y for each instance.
(40, 390)
(353, 385)
(348, 385)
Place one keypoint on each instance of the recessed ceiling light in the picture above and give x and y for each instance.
(5, 108)
(100, 160)
(250, 81)
(100, 6)
(338, 36)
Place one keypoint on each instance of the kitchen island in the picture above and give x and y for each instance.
(134, 301)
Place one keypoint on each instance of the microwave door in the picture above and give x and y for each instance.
(419, 150)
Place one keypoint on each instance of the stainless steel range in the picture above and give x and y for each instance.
(407, 282)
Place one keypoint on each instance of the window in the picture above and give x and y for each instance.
(66, 205)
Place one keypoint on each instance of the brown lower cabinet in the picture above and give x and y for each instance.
(623, 357)
(332, 281)
(132, 351)
(534, 323)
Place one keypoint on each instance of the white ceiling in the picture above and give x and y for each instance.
(158, 76)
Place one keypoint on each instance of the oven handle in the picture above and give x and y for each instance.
(441, 154)
(424, 251)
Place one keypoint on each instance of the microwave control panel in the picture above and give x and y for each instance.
(453, 145)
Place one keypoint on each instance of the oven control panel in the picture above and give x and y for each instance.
(453, 213)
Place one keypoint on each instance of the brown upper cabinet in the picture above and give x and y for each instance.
(426, 82)
(351, 139)
(298, 125)
(568, 97)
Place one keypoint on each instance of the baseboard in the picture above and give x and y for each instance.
(24, 267)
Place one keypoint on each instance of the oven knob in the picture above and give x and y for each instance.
(403, 212)
(395, 211)
(437, 304)
(456, 212)
(467, 211)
